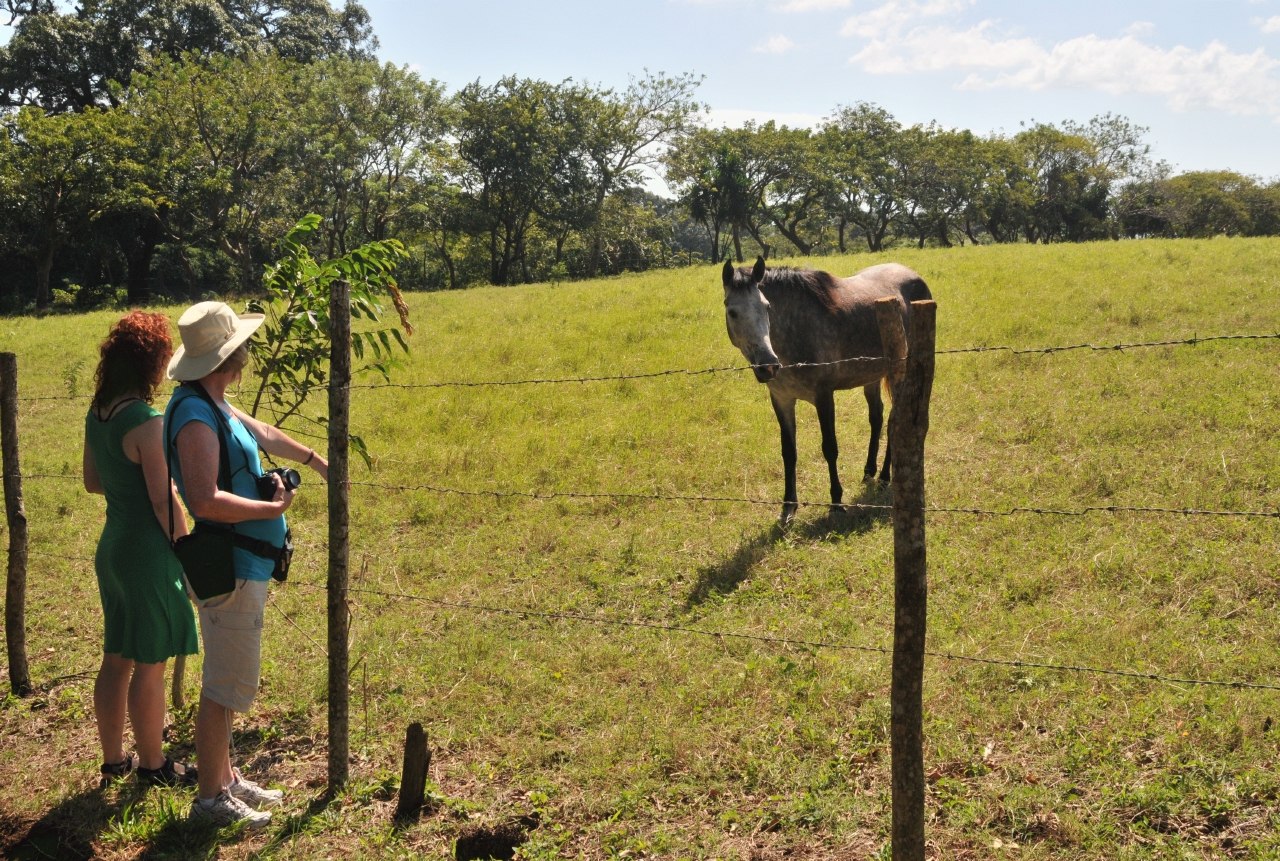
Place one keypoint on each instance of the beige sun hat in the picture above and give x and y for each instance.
(210, 331)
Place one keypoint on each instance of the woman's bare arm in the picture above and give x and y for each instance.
(92, 481)
(277, 443)
(198, 454)
(145, 445)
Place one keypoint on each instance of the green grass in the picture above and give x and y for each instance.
(645, 743)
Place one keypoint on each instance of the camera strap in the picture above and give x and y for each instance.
(224, 455)
(256, 546)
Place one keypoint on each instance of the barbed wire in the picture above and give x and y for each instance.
(1101, 348)
(738, 635)
(746, 500)
(724, 369)
(852, 506)
(792, 641)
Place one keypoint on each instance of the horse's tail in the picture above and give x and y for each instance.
(886, 388)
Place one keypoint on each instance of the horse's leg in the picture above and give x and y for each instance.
(785, 410)
(826, 404)
(875, 415)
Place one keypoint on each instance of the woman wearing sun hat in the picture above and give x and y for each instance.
(198, 422)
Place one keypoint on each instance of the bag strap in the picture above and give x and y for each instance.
(224, 456)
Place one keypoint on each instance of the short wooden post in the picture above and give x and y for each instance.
(175, 693)
(908, 425)
(15, 592)
(339, 530)
(413, 780)
(893, 337)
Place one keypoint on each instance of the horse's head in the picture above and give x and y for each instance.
(746, 313)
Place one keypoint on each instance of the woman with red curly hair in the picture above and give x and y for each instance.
(147, 615)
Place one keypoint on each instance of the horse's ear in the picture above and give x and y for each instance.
(757, 272)
(728, 274)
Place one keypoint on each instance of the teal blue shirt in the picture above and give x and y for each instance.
(246, 467)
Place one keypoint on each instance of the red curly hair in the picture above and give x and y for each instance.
(134, 358)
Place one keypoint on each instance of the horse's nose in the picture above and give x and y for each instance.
(765, 373)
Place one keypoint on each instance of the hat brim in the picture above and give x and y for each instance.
(184, 367)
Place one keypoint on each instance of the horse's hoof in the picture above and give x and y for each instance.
(838, 508)
(788, 515)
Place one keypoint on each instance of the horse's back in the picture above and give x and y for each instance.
(885, 279)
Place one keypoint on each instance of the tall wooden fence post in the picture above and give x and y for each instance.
(15, 592)
(339, 530)
(908, 425)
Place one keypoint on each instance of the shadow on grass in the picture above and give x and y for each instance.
(723, 577)
(69, 829)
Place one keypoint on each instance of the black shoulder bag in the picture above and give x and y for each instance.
(206, 554)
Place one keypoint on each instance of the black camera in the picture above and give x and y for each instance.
(267, 487)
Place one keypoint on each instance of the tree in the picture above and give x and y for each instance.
(367, 133)
(1071, 183)
(1005, 194)
(710, 179)
(510, 150)
(69, 61)
(58, 175)
(795, 183)
(863, 146)
(225, 137)
(622, 133)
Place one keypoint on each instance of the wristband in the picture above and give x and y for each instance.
(310, 457)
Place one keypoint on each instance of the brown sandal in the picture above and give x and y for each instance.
(115, 771)
(167, 775)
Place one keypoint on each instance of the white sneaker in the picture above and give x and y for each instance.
(228, 810)
(252, 794)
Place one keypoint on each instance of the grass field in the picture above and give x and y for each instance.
(631, 743)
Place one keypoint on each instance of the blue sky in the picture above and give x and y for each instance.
(1204, 75)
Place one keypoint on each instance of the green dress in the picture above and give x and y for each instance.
(146, 613)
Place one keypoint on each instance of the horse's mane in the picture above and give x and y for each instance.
(821, 284)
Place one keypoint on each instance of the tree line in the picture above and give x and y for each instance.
(163, 147)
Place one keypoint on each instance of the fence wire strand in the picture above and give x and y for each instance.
(746, 500)
(738, 635)
(726, 369)
(791, 641)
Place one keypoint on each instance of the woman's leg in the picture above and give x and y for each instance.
(146, 713)
(110, 703)
(213, 747)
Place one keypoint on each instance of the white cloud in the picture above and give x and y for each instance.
(1137, 28)
(892, 18)
(775, 45)
(1271, 25)
(734, 118)
(901, 39)
(939, 48)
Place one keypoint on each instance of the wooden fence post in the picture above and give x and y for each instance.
(339, 530)
(15, 592)
(908, 425)
(413, 780)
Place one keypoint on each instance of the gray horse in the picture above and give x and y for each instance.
(784, 317)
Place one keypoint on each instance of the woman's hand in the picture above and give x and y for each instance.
(283, 497)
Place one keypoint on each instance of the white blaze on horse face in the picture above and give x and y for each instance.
(746, 314)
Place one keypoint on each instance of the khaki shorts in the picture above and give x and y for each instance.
(231, 631)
